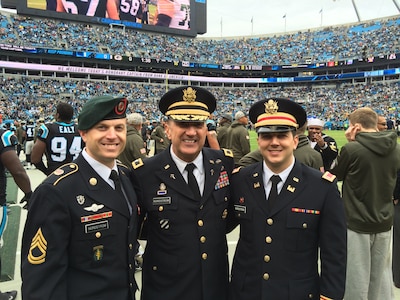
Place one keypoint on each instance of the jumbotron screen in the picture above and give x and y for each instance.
(165, 16)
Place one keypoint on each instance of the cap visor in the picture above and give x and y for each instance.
(272, 129)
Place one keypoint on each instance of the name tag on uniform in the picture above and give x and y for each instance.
(240, 208)
(94, 227)
(161, 200)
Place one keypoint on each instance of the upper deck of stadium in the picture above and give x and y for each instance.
(376, 37)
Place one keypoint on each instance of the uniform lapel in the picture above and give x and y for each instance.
(129, 191)
(212, 170)
(170, 175)
(99, 190)
(291, 188)
(256, 184)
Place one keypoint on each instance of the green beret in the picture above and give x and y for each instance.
(101, 108)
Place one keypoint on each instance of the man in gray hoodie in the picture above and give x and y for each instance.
(368, 166)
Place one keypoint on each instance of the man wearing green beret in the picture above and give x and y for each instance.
(79, 240)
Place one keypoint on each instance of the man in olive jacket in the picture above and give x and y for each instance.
(135, 147)
(238, 137)
(368, 166)
(224, 124)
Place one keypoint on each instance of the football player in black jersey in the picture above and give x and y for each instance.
(10, 161)
(91, 8)
(30, 136)
(59, 141)
(130, 10)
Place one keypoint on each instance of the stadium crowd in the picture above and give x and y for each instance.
(27, 97)
(378, 37)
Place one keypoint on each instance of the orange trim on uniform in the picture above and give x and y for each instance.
(276, 118)
(322, 297)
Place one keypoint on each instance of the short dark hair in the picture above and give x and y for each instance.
(65, 112)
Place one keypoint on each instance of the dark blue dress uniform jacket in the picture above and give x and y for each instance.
(277, 254)
(79, 240)
(186, 255)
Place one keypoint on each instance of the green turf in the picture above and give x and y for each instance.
(11, 190)
(10, 237)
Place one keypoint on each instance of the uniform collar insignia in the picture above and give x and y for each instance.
(291, 188)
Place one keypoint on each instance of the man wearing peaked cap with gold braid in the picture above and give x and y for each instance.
(79, 240)
(284, 223)
(186, 255)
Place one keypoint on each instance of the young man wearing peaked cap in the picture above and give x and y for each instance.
(283, 225)
(186, 253)
(79, 240)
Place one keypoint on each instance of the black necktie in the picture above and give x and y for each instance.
(192, 182)
(273, 194)
(115, 177)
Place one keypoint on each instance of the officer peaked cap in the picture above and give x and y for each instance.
(188, 104)
(277, 115)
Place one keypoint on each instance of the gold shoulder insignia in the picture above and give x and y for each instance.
(228, 152)
(62, 172)
(329, 176)
(137, 163)
(236, 170)
(38, 249)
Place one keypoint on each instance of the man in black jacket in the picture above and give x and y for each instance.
(79, 240)
(321, 142)
(284, 225)
(186, 255)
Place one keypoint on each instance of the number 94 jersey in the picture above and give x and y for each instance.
(63, 143)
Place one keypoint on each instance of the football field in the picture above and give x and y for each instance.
(338, 135)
